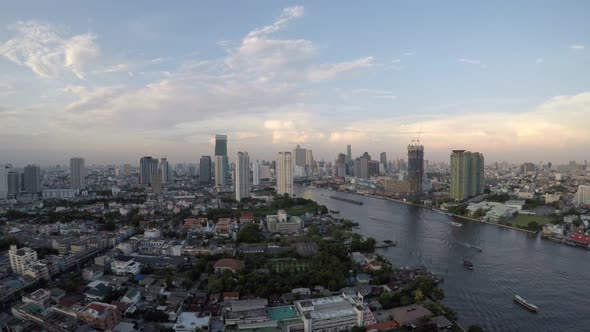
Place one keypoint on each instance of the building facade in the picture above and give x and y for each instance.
(148, 166)
(242, 176)
(415, 166)
(77, 173)
(467, 174)
(284, 173)
(21, 259)
(32, 179)
(205, 170)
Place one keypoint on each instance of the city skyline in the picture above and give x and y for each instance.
(80, 81)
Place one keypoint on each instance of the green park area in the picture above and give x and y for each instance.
(288, 265)
(523, 220)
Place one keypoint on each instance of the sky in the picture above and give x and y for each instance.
(112, 81)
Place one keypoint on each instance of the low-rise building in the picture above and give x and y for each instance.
(230, 264)
(336, 313)
(100, 315)
(124, 265)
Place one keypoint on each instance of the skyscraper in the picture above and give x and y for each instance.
(165, 170)
(147, 167)
(221, 145)
(348, 160)
(467, 174)
(221, 171)
(32, 178)
(205, 170)
(156, 182)
(284, 173)
(13, 181)
(4, 169)
(77, 174)
(255, 173)
(582, 197)
(221, 161)
(383, 159)
(415, 166)
(242, 176)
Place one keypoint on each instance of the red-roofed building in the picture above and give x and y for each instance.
(100, 315)
(383, 326)
(231, 296)
(580, 238)
(233, 265)
(246, 218)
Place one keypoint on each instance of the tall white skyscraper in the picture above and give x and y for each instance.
(77, 173)
(242, 176)
(256, 173)
(221, 171)
(4, 169)
(582, 197)
(284, 173)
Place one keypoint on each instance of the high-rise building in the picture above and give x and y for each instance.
(221, 161)
(147, 167)
(383, 159)
(77, 174)
(156, 182)
(32, 179)
(415, 166)
(221, 145)
(242, 176)
(13, 182)
(4, 169)
(467, 174)
(284, 173)
(527, 167)
(126, 169)
(255, 173)
(205, 170)
(582, 197)
(348, 160)
(373, 168)
(221, 171)
(165, 170)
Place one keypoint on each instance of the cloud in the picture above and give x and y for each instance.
(474, 62)
(328, 72)
(372, 93)
(539, 60)
(45, 50)
(577, 47)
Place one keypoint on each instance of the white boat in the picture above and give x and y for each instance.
(456, 224)
(373, 218)
(525, 304)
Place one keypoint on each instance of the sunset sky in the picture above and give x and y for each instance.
(112, 81)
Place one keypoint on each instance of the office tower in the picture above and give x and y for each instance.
(221, 171)
(341, 165)
(415, 166)
(126, 169)
(242, 176)
(383, 159)
(156, 182)
(582, 197)
(308, 161)
(21, 259)
(205, 170)
(348, 160)
(373, 168)
(221, 161)
(221, 145)
(284, 173)
(77, 173)
(356, 168)
(256, 173)
(147, 167)
(32, 177)
(192, 170)
(165, 170)
(13, 184)
(4, 169)
(299, 161)
(467, 174)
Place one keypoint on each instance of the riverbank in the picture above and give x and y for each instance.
(439, 210)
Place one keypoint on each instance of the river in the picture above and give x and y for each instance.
(552, 276)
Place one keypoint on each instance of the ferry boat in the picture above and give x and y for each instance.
(525, 304)
(456, 224)
(468, 264)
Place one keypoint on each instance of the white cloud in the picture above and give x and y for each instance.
(470, 61)
(577, 47)
(328, 72)
(43, 48)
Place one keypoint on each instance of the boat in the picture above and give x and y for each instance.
(386, 244)
(468, 264)
(525, 304)
(476, 248)
(373, 218)
(334, 211)
(347, 200)
(456, 224)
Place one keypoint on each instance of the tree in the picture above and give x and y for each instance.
(250, 233)
(438, 294)
(533, 225)
(405, 300)
(418, 295)
(475, 328)
(110, 226)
